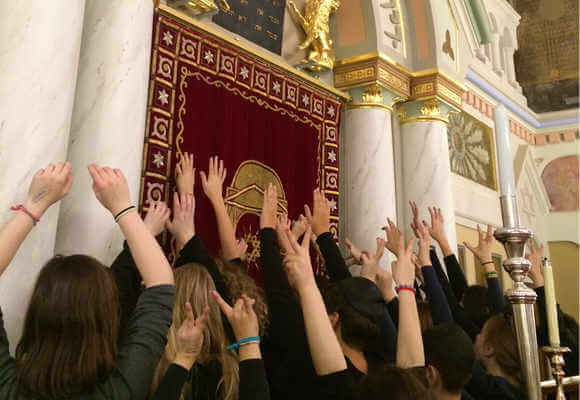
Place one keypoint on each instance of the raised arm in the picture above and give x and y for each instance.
(438, 304)
(243, 319)
(48, 186)
(483, 254)
(410, 351)
(319, 219)
(112, 191)
(212, 184)
(325, 350)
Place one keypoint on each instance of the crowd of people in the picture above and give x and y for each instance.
(203, 330)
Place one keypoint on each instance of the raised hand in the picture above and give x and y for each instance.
(484, 243)
(185, 174)
(48, 186)
(189, 337)
(297, 262)
(242, 249)
(418, 265)
(214, 180)
(384, 282)
(355, 252)
(283, 226)
(395, 238)
(269, 207)
(535, 256)
(319, 219)
(182, 227)
(403, 269)
(110, 188)
(416, 221)
(299, 226)
(424, 243)
(370, 262)
(241, 316)
(157, 217)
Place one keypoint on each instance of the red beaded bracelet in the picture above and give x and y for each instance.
(20, 207)
(406, 287)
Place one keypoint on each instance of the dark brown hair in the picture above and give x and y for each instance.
(500, 335)
(393, 383)
(69, 339)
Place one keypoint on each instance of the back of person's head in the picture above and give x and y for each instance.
(497, 340)
(238, 282)
(69, 338)
(425, 317)
(193, 284)
(476, 304)
(357, 330)
(449, 350)
(393, 383)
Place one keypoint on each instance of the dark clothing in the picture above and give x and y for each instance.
(484, 386)
(139, 353)
(295, 377)
(440, 312)
(338, 271)
(253, 383)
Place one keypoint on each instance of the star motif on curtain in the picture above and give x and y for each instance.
(208, 57)
(158, 160)
(332, 156)
(276, 86)
(167, 38)
(244, 72)
(305, 100)
(331, 111)
(332, 204)
(163, 97)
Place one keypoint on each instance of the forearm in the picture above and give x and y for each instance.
(226, 229)
(12, 236)
(249, 352)
(457, 279)
(149, 258)
(335, 264)
(445, 247)
(438, 304)
(325, 350)
(410, 351)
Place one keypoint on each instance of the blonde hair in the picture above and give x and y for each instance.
(193, 283)
(238, 282)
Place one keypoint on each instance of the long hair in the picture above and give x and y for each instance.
(393, 383)
(193, 284)
(69, 339)
(500, 335)
(238, 282)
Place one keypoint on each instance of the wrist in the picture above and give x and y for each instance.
(185, 360)
(184, 237)
(36, 209)
(388, 293)
(445, 247)
(307, 289)
(319, 230)
(249, 352)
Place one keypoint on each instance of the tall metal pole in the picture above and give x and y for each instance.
(521, 297)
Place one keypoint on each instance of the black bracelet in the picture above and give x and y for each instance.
(120, 213)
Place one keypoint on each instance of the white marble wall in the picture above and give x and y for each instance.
(368, 176)
(427, 174)
(109, 119)
(39, 49)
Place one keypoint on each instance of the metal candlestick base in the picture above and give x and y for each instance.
(522, 299)
(556, 355)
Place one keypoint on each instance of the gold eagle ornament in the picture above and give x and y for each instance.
(315, 23)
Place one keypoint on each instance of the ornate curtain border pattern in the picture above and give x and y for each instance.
(181, 52)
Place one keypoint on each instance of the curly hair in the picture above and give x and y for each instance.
(238, 282)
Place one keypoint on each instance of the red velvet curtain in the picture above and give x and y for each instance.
(209, 98)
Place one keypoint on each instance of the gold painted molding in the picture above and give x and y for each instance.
(238, 42)
(199, 7)
(376, 67)
(424, 119)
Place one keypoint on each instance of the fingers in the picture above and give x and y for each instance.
(380, 248)
(409, 246)
(189, 312)
(306, 239)
(293, 243)
(489, 231)
(470, 247)
(202, 319)
(203, 179)
(307, 213)
(432, 213)
(225, 307)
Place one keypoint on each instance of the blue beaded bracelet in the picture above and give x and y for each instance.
(243, 341)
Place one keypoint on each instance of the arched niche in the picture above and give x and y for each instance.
(560, 178)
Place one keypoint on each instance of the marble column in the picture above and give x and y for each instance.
(368, 175)
(39, 52)
(109, 119)
(427, 172)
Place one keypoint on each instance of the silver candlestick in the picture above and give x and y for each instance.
(521, 297)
